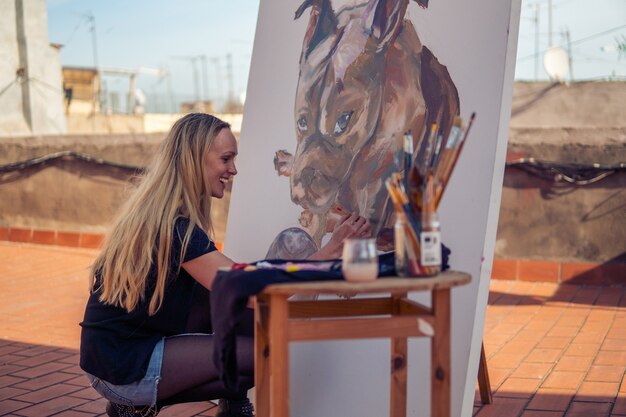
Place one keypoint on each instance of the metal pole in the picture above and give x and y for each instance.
(550, 23)
(96, 98)
(569, 55)
(218, 74)
(205, 79)
(195, 79)
(537, 10)
(231, 87)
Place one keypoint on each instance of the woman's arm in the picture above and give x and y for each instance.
(204, 268)
(349, 226)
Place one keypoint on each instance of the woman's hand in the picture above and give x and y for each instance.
(349, 226)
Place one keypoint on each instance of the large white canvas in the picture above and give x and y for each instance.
(476, 41)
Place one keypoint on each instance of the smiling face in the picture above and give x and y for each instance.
(219, 162)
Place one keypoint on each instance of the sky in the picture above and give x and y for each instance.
(201, 49)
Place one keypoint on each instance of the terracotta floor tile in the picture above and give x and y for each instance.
(35, 383)
(517, 347)
(11, 392)
(573, 363)
(543, 355)
(554, 342)
(610, 358)
(551, 399)
(587, 295)
(575, 320)
(532, 370)
(538, 324)
(532, 413)
(617, 333)
(605, 373)
(503, 406)
(505, 360)
(620, 405)
(582, 349)
(584, 409)
(563, 379)
(564, 331)
(498, 375)
(47, 393)
(7, 380)
(597, 391)
(589, 337)
(9, 406)
(95, 407)
(50, 407)
(518, 387)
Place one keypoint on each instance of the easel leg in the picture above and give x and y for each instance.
(279, 356)
(261, 360)
(399, 370)
(484, 386)
(440, 355)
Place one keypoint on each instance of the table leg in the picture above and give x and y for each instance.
(398, 368)
(440, 355)
(261, 355)
(279, 356)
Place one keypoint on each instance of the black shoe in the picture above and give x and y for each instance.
(123, 410)
(235, 408)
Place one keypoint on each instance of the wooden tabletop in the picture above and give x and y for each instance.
(392, 285)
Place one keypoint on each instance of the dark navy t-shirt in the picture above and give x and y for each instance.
(116, 345)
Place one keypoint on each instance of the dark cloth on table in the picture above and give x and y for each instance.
(116, 345)
(231, 290)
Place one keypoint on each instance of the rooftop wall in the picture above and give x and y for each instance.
(541, 217)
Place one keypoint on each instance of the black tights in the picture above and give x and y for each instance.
(188, 373)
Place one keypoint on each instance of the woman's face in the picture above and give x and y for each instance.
(219, 162)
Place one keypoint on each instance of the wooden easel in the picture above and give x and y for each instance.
(484, 386)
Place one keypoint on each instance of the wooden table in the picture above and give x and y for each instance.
(280, 320)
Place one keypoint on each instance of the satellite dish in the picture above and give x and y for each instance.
(556, 63)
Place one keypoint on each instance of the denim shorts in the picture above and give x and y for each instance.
(142, 392)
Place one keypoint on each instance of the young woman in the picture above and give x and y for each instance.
(146, 336)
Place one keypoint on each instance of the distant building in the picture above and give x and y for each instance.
(206, 106)
(31, 89)
(81, 87)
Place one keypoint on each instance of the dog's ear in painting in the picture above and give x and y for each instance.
(323, 22)
(440, 94)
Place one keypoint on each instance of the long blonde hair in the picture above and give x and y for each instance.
(174, 185)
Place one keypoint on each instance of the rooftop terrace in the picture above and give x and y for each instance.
(553, 350)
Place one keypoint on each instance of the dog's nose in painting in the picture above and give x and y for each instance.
(307, 176)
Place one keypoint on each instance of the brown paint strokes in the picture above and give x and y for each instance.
(365, 79)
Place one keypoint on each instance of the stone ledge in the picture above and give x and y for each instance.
(577, 273)
(58, 238)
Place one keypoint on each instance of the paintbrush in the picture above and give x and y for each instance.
(443, 182)
(448, 151)
(410, 228)
(430, 150)
(408, 156)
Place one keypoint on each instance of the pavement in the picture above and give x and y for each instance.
(552, 350)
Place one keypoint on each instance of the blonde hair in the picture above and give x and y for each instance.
(174, 185)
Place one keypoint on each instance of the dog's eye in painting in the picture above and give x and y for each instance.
(302, 124)
(342, 122)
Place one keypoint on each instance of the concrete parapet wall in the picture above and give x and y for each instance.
(72, 195)
(542, 218)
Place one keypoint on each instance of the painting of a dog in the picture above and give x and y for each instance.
(365, 79)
